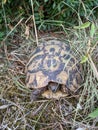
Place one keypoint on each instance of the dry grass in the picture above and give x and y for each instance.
(17, 112)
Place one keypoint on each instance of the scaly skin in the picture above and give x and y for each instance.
(36, 93)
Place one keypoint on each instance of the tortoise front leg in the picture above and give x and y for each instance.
(36, 93)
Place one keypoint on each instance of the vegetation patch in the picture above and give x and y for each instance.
(72, 21)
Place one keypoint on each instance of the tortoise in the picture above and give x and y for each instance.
(53, 67)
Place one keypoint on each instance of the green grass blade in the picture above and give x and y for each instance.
(82, 26)
(94, 114)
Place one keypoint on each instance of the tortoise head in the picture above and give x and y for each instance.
(53, 86)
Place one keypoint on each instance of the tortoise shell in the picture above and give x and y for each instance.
(53, 61)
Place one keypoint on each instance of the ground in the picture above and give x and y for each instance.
(17, 111)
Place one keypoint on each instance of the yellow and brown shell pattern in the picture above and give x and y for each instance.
(53, 61)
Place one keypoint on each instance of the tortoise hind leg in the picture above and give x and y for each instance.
(36, 93)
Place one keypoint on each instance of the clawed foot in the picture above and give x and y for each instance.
(36, 93)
